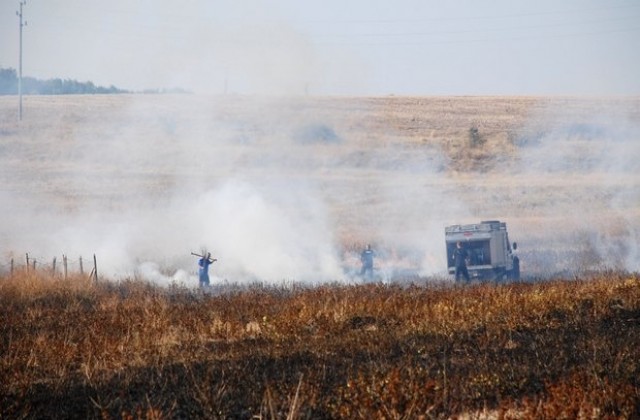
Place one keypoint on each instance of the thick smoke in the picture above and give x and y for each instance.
(292, 190)
(274, 232)
(144, 185)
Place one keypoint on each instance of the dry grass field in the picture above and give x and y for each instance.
(138, 179)
(545, 350)
(285, 192)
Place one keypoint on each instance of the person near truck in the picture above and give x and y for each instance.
(516, 262)
(460, 255)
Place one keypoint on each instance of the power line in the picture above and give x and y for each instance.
(560, 25)
(552, 13)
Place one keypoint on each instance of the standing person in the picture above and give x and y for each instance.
(366, 257)
(460, 256)
(516, 262)
(203, 269)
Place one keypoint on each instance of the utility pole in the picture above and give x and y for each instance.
(22, 24)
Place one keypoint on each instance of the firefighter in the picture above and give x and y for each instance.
(516, 262)
(203, 269)
(460, 255)
(366, 257)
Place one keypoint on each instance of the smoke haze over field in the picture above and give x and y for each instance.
(598, 150)
(290, 190)
(269, 188)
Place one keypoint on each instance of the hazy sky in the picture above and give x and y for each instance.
(353, 47)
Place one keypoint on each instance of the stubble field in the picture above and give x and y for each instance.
(546, 350)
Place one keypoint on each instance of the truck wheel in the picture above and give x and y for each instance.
(500, 275)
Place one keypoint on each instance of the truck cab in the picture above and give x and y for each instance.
(490, 254)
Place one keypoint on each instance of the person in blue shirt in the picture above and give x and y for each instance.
(203, 269)
(367, 261)
(460, 255)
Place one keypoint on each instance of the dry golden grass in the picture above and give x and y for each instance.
(109, 151)
(399, 159)
(555, 349)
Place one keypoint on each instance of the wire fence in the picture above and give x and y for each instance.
(62, 267)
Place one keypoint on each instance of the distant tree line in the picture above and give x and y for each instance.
(33, 86)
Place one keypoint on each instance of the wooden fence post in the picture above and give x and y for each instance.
(53, 267)
(64, 264)
(27, 262)
(95, 268)
(11, 267)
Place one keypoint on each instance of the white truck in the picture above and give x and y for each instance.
(490, 255)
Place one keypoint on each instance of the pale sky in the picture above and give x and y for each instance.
(330, 47)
